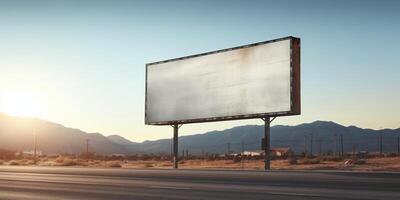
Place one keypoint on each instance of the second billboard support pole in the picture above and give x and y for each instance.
(267, 163)
(175, 141)
(267, 142)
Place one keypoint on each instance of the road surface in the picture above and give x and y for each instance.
(54, 183)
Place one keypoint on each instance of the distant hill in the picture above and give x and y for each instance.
(120, 140)
(17, 134)
(128, 146)
(325, 137)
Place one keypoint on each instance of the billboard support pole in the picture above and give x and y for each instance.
(175, 141)
(267, 142)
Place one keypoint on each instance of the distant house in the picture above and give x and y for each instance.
(361, 154)
(233, 154)
(52, 155)
(277, 152)
(281, 152)
(254, 153)
(118, 155)
(32, 153)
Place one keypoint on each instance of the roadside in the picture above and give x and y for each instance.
(368, 164)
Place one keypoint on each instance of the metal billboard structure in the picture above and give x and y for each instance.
(260, 80)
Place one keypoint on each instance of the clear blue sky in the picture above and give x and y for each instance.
(83, 61)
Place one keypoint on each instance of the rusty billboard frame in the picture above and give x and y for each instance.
(295, 89)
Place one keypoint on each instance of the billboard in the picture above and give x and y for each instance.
(250, 81)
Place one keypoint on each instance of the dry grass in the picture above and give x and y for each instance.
(308, 161)
(114, 164)
(371, 164)
(14, 162)
(66, 162)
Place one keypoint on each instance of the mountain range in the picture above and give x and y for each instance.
(19, 134)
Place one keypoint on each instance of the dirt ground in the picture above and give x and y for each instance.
(370, 164)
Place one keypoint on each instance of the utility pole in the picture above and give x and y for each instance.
(229, 148)
(187, 154)
(305, 146)
(171, 152)
(242, 147)
(242, 155)
(311, 144)
(35, 148)
(336, 144)
(320, 147)
(398, 145)
(87, 150)
(183, 154)
(354, 151)
(341, 142)
(380, 144)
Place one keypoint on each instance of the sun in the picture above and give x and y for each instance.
(20, 103)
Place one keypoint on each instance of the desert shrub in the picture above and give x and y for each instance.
(66, 162)
(13, 162)
(237, 159)
(96, 162)
(132, 157)
(29, 162)
(147, 165)
(145, 157)
(59, 159)
(210, 158)
(292, 161)
(360, 162)
(113, 164)
(8, 155)
(332, 158)
(392, 155)
(308, 161)
(81, 162)
(166, 164)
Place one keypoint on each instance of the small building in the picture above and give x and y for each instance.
(361, 154)
(253, 153)
(32, 153)
(276, 152)
(281, 152)
(118, 155)
(53, 155)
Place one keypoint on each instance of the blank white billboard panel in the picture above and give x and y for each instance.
(244, 82)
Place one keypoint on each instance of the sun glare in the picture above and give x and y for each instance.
(23, 104)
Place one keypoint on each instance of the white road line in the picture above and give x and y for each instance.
(294, 194)
(168, 187)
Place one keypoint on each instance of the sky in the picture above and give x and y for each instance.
(82, 63)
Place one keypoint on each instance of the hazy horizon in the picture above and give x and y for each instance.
(81, 64)
(195, 133)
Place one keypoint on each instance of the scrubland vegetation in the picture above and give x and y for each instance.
(382, 163)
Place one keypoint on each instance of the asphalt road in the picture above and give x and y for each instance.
(82, 183)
